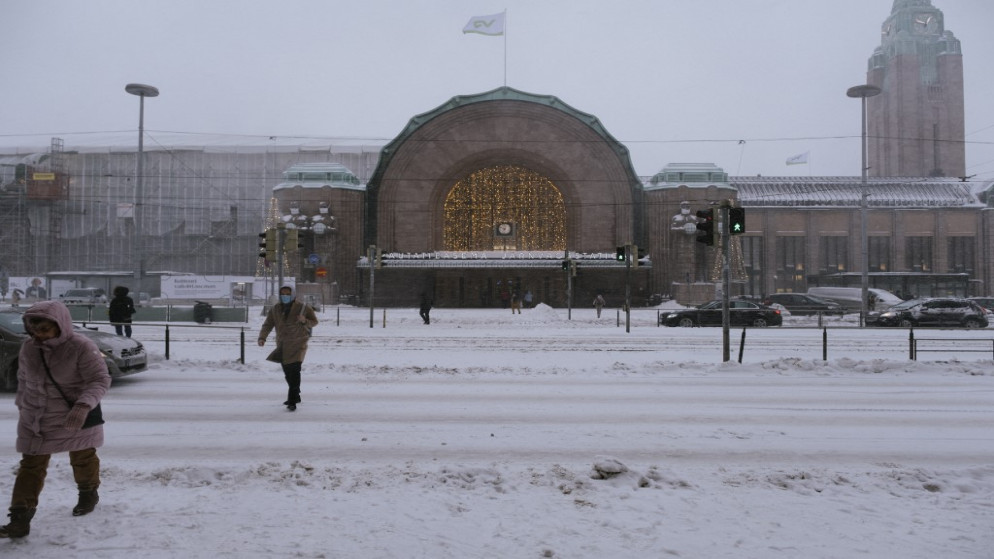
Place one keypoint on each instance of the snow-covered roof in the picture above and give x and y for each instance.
(498, 259)
(846, 191)
(319, 175)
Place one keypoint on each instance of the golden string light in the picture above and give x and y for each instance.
(529, 205)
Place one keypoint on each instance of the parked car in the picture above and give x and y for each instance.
(802, 304)
(124, 356)
(84, 296)
(740, 313)
(938, 312)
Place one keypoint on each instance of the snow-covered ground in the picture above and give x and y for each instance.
(494, 435)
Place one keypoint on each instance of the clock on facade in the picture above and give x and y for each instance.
(504, 229)
(926, 23)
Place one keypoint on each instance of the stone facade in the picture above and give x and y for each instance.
(916, 125)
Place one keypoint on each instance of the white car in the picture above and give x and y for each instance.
(84, 296)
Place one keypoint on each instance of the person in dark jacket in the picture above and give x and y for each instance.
(425, 307)
(120, 311)
(293, 321)
(47, 422)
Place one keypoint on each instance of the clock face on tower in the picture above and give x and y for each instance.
(925, 23)
(504, 229)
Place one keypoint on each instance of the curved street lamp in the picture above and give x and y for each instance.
(862, 92)
(142, 91)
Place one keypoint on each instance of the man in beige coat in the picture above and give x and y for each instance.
(293, 321)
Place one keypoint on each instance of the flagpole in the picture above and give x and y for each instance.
(505, 48)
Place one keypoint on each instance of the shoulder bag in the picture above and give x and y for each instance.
(96, 415)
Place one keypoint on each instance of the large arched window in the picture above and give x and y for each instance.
(504, 207)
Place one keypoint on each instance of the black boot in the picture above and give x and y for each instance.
(20, 523)
(88, 500)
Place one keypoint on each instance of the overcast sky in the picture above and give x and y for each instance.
(673, 80)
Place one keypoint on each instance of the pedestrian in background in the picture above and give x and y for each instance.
(515, 302)
(120, 310)
(599, 304)
(425, 307)
(293, 322)
(61, 377)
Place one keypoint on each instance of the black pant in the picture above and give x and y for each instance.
(124, 329)
(424, 315)
(292, 373)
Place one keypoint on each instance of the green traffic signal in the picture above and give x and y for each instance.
(736, 221)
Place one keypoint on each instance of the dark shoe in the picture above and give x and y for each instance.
(87, 502)
(20, 523)
(291, 407)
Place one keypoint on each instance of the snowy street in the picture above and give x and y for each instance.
(481, 435)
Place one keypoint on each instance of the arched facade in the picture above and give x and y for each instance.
(496, 136)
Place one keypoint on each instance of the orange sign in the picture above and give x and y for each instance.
(321, 272)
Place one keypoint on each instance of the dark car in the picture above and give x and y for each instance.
(802, 304)
(124, 356)
(937, 312)
(740, 313)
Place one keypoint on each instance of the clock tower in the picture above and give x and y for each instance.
(915, 127)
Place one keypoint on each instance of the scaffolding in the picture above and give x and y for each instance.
(202, 207)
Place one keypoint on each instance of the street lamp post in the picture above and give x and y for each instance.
(317, 224)
(862, 92)
(142, 91)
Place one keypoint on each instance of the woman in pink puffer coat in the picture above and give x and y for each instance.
(48, 424)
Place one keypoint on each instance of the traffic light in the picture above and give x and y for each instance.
(267, 245)
(639, 255)
(292, 239)
(621, 254)
(705, 226)
(565, 265)
(736, 221)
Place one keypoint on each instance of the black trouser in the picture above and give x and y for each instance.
(123, 329)
(424, 316)
(292, 373)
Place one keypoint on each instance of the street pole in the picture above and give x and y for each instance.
(569, 287)
(628, 288)
(280, 254)
(142, 91)
(726, 283)
(372, 267)
(862, 92)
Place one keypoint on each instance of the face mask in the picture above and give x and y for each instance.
(286, 299)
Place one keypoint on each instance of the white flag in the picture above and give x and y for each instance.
(799, 159)
(486, 25)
